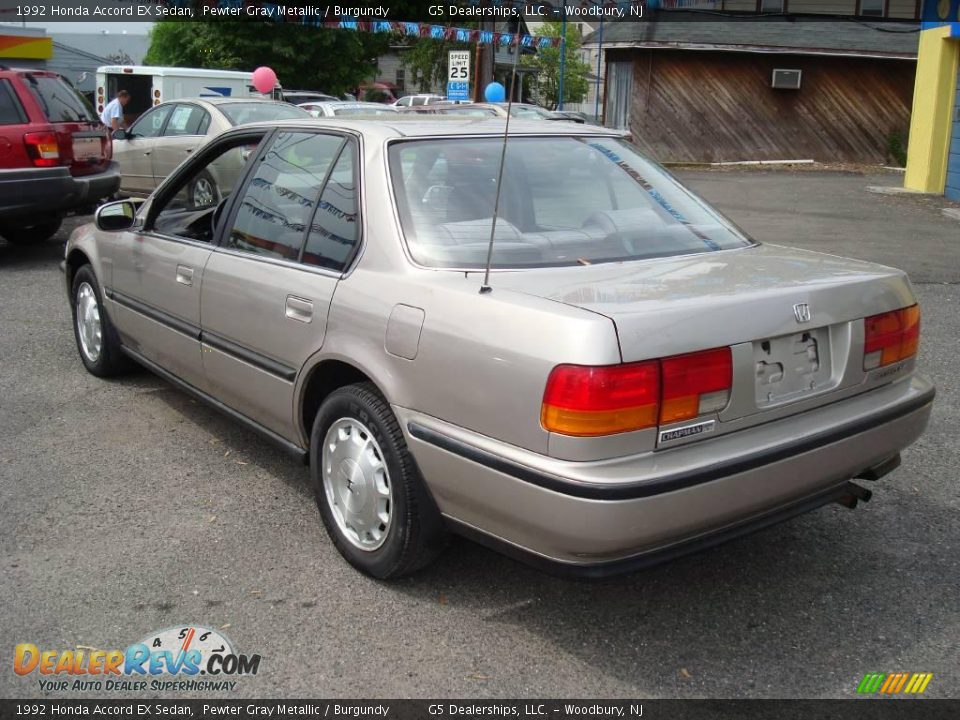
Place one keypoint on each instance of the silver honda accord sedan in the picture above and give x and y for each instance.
(637, 379)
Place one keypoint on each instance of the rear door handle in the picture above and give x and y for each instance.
(298, 309)
(147, 152)
(189, 150)
(184, 275)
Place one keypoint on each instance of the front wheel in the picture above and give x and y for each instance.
(97, 341)
(372, 500)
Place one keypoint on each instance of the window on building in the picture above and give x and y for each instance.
(872, 8)
(619, 94)
(772, 6)
(401, 80)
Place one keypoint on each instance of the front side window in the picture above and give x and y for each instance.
(565, 201)
(280, 199)
(150, 124)
(771, 6)
(192, 207)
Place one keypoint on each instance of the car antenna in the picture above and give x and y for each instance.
(485, 287)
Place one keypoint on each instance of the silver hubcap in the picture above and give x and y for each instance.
(357, 484)
(203, 193)
(88, 323)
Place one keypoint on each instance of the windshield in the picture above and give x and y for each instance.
(240, 113)
(565, 201)
(60, 102)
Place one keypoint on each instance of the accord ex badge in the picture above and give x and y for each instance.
(801, 311)
(686, 431)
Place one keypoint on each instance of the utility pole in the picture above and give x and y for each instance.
(563, 53)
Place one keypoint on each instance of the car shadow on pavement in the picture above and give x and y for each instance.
(20, 256)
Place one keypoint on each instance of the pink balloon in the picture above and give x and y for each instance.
(264, 79)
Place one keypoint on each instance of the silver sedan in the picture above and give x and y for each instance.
(168, 133)
(636, 378)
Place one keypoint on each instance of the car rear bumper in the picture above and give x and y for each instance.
(31, 194)
(598, 518)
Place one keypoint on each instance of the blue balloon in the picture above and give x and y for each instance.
(495, 92)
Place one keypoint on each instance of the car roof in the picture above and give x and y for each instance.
(412, 125)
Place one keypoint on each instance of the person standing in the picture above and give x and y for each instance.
(112, 115)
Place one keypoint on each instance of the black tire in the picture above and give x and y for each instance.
(415, 535)
(111, 361)
(198, 189)
(29, 234)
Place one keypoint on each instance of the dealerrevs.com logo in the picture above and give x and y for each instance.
(187, 658)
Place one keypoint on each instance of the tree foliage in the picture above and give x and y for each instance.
(426, 58)
(547, 62)
(331, 60)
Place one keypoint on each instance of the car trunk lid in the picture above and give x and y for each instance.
(792, 318)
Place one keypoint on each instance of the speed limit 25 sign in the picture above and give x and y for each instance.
(458, 66)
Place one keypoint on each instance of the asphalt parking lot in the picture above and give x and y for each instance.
(127, 507)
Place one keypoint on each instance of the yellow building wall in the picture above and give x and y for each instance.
(933, 102)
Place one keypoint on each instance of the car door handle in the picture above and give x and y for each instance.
(184, 275)
(189, 150)
(298, 309)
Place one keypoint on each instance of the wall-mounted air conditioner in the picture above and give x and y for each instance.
(786, 79)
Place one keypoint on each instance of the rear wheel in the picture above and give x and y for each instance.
(28, 234)
(371, 497)
(204, 191)
(97, 341)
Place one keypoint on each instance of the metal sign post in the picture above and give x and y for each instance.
(458, 75)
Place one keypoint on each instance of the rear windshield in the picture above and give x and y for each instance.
(240, 113)
(371, 109)
(60, 102)
(565, 201)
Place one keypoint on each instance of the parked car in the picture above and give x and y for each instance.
(637, 379)
(464, 110)
(55, 155)
(421, 99)
(299, 97)
(333, 109)
(168, 133)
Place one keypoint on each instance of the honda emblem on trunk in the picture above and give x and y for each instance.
(801, 311)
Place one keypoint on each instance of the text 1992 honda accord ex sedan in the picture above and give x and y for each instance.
(642, 380)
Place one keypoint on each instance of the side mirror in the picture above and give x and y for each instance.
(121, 134)
(116, 216)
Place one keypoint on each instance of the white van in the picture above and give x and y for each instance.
(150, 85)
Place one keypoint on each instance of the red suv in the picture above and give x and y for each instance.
(55, 155)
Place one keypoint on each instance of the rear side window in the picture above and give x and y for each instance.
(11, 112)
(59, 101)
(187, 120)
(334, 231)
(282, 196)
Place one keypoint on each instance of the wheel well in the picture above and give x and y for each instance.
(75, 260)
(326, 377)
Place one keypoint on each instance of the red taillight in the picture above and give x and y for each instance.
(695, 384)
(891, 337)
(43, 148)
(585, 401)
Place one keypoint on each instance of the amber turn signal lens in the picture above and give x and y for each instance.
(891, 337)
